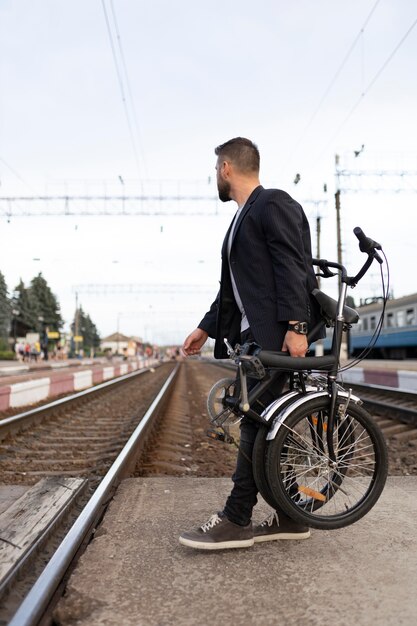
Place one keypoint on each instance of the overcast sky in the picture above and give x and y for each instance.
(306, 80)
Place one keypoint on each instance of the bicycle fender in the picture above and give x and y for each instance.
(281, 401)
(280, 419)
(278, 403)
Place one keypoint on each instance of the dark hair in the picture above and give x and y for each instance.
(243, 153)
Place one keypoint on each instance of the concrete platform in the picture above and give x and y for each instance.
(136, 573)
(398, 375)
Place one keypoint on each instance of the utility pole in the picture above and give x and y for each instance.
(338, 228)
(318, 234)
(76, 323)
(344, 346)
(337, 203)
(118, 333)
(319, 351)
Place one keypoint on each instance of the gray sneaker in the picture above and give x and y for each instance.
(218, 533)
(282, 527)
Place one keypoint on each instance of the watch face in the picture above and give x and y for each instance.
(300, 328)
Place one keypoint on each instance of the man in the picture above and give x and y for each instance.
(266, 279)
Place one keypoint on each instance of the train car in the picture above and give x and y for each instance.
(398, 337)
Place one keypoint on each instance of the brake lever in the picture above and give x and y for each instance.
(376, 256)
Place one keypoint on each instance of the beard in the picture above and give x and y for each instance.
(223, 187)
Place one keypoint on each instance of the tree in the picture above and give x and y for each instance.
(26, 319)
(5, 313)
(45, 305)
(84, 326)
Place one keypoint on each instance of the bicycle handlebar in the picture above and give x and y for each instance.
(368, 245)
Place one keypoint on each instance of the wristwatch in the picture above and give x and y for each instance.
(300, 328)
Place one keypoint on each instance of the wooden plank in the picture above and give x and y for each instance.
(9, 494)
(28, 521)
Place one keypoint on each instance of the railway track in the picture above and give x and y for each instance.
(393, 404)
(82, 439)
(175, 444)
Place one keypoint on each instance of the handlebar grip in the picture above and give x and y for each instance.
(368, 245)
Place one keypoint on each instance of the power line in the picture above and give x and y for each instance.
(370, 85)
(132, 102)
(15, 173)
(169, 204)
(121, 86)
(104, 289)
(379, 72)
(336, 75)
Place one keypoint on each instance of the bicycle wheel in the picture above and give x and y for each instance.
(305, 483)
(317, 425)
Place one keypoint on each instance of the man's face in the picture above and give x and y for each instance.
(223, 185)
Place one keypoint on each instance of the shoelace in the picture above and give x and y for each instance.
(270, 519)
(213, 521)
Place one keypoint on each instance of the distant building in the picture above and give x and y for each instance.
(115, 343)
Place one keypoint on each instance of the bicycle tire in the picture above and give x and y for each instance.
(258, 465)
(302, 480)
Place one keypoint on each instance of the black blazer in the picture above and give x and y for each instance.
(271, 263)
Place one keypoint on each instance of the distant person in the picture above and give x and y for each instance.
(44, 345)
(33, 353)
(266, 279)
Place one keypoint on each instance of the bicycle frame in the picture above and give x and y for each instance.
(254, 363)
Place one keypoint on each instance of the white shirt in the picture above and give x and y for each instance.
(244, 324)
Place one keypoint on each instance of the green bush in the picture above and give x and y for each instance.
(6, 355)
(4, 344)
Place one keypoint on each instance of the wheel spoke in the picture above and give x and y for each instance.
(316, 486)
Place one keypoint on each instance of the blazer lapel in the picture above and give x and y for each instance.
(226, 239)
(254, 195)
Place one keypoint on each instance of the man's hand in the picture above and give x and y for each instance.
(295, 344)
(194, 342)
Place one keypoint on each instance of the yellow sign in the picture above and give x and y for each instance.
(78, 337)
(53, 334)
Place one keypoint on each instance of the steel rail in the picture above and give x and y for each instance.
(392, 402)
(403, 414)
(39, 597)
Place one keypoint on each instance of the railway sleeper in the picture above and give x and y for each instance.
(28, 523)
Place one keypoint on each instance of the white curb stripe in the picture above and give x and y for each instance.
(29, 392)
(82, 380)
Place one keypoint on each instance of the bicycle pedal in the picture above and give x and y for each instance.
(219, 436)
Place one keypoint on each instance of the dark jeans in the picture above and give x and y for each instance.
(243, 497)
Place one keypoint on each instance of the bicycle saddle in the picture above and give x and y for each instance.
(329, 308)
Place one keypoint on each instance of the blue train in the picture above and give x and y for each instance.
(398, 337)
